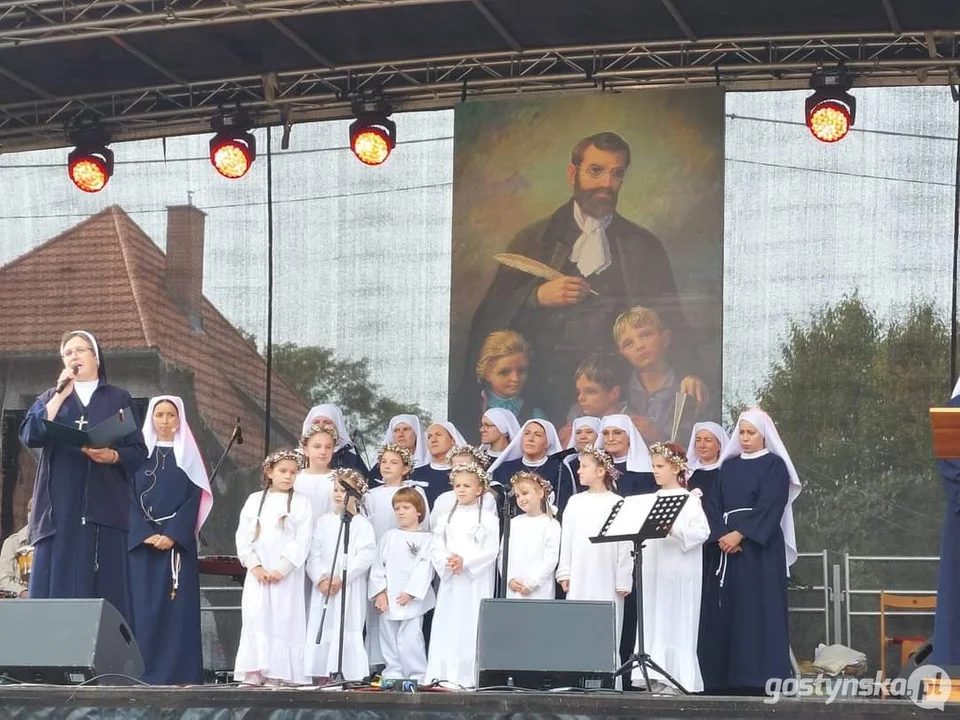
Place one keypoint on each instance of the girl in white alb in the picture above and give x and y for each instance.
(315, 481)
(273, 538)
(672, 580)
(594, 571)
(534, 541)
(325, 568)
(464, 554)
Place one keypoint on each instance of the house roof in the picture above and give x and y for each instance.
(48, 290)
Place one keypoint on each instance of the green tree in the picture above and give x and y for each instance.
(851, 398)
(317, 375)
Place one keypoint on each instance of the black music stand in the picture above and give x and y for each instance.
(654, 525)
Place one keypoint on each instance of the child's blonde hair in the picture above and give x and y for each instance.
(532, 478)
(499, 344)
(636, 317)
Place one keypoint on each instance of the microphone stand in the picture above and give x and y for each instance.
(506, 512)
(235, 436)
(344, 532)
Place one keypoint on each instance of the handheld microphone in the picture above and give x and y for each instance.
(238, 433)
(63, 383)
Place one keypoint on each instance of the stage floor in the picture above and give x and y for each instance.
(222, 702)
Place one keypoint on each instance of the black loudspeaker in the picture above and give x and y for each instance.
(67, 642)
(546, 644)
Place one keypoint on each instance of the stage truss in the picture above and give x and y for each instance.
(326, 91)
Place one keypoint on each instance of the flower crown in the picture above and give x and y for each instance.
(351, 477)
(479, 456)
(673, 458)
(316, 428)
(271, 460)
(474, 469)
(405, 455)
(604, 458)
(527, 476)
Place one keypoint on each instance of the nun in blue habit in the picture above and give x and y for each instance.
(81, 496)
(170, 501)
(946, 623)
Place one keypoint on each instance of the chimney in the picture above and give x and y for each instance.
(184, 271)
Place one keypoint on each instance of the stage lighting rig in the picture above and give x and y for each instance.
(831, 110)
(372, 135)
(90, 163)
(233, 149)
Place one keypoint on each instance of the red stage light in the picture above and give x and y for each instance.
(829, 121)
(372, 138)
(232, 155)
(90, 168)
(371, 146)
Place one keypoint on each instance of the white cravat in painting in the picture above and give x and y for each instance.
(591, 251)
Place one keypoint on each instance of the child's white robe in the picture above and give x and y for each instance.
(321, 660)
(533, 557)
(445, 502)
(672, 580)
(273, 614)
(402, 565)
(472, 534)
(378, 506)
(595, 571)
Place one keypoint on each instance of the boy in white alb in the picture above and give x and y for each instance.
(400, 587)
(395, 464)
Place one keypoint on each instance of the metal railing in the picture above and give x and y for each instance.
(851, 592)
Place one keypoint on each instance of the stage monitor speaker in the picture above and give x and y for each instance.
(546, 644)
(67, 642)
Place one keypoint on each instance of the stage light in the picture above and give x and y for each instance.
(373, 136)
(831, 110)
(233, 149)
(90, 163)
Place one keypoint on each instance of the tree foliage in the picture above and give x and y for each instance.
(851, 398)
(317, 375)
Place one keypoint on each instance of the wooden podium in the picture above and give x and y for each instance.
(945, 423)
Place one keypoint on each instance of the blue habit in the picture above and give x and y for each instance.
(81, 508)
(634, 483)
(706, 482)
(745, 638)
(946, 624)
(167, 629)
(569, 482)
(550, 470)
(433, 482)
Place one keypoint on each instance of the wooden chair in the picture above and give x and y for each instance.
(908, 644)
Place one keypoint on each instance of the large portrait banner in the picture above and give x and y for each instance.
(587, 261)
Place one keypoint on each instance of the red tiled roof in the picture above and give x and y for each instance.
(109, 258)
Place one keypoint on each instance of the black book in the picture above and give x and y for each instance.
(107, 434)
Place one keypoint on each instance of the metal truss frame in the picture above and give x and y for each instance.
(326, 92)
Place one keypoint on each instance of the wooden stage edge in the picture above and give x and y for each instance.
(213, 701)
